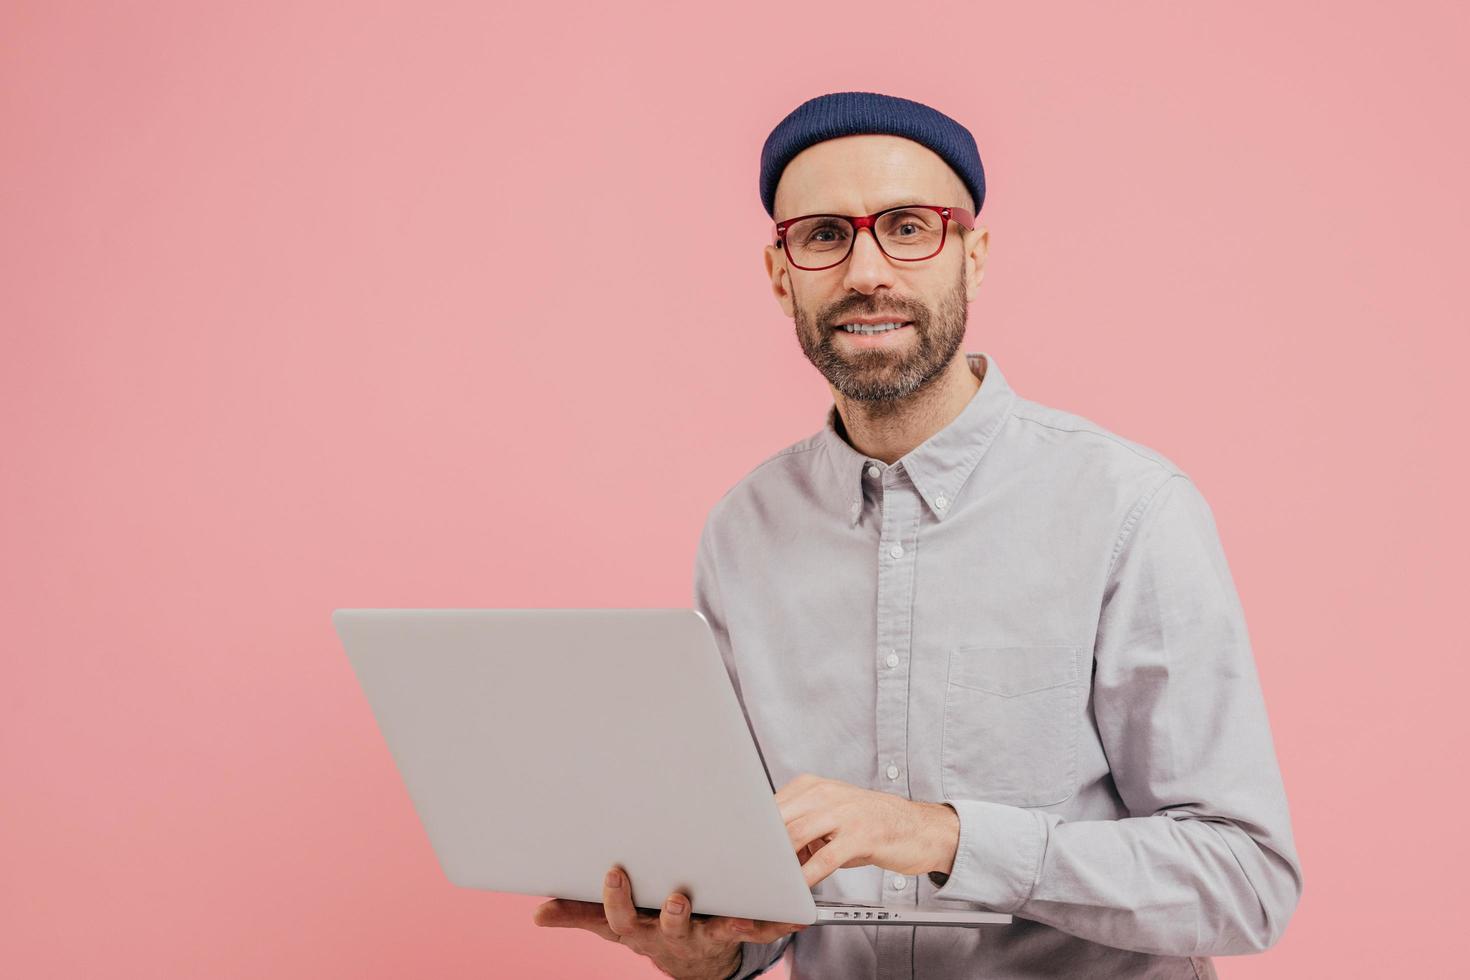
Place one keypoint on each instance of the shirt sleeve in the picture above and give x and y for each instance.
(755, 958)
(1205, 863)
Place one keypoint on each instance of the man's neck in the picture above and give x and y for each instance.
(888, 430)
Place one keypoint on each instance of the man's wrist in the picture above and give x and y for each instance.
(729, 969)
(946, 823)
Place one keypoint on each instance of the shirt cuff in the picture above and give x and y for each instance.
(757, 958)
(999, 855)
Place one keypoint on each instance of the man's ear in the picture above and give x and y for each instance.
(977, 246)
(780, 275)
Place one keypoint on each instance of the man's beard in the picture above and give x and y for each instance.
(874, 374)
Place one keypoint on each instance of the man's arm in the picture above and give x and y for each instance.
(1206, 863)
(756, 958)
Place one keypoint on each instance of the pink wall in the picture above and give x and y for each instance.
(378, 305)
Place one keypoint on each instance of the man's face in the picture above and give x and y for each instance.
(860, 175)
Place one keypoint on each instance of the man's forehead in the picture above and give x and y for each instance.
(866, 173)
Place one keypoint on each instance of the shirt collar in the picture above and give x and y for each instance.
(939, 466)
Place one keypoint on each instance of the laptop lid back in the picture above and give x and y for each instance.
(541, 746)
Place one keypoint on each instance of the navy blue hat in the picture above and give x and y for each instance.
(850, 113)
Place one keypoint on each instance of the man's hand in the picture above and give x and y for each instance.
(834, 825)
(705, 949)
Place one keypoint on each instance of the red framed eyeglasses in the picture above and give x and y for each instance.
(907, 233)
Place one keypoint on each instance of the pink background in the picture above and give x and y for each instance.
(308, 306)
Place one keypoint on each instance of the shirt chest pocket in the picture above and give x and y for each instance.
(1010, 724)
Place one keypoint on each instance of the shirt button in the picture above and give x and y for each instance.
(892, 771)
(899, 883)
(941, 501)
(856, 506)
(873, 471)
(896, 551)
(891, 660)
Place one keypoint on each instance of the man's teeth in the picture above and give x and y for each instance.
(869, 327)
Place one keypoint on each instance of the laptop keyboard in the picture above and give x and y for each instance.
(846, 905)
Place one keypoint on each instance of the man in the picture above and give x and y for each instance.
(992, 652)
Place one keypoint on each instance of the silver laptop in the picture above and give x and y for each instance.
(542, 746)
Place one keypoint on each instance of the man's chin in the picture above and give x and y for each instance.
(871, 383)
(874, 363)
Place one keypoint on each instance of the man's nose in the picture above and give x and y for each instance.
(867, 266)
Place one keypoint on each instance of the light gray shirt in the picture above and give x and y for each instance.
(1032, 619)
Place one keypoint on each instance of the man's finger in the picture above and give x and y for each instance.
(731, 929)
(812, 827)
(805, 854)
(813, 800)
(567, 913)
(824, 862)
(795, 786)
(769, 932)
(673, 921)
(617, 903)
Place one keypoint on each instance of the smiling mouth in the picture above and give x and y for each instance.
(871, 328)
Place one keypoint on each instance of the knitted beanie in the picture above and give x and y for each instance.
(849, 113)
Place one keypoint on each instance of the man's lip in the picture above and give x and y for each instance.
(869, 320)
